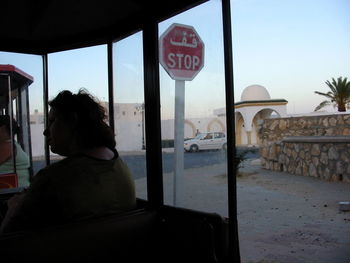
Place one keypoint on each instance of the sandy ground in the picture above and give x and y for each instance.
(282, 218)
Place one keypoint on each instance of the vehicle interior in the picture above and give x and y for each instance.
(156, 230)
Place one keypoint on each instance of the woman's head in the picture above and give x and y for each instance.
(77, 122)
(5, 127)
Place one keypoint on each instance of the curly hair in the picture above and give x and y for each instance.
(89, 118)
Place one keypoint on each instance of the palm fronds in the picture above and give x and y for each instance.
(339, 94)
(322, 105)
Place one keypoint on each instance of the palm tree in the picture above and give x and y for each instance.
(338, 96)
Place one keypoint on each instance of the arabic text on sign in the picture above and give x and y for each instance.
(184, 42)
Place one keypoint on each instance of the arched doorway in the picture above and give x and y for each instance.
(190, 129)
(216, 125)
(258, 121)
(241, 134)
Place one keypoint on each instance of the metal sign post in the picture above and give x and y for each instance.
(179, 137)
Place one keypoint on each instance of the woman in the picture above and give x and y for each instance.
(6, 149)
(91, 181)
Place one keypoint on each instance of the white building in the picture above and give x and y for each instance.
(255, 106)
(130, 125)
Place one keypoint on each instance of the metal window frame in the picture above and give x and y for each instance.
(153, 123)
(152, 113)
(46, 105)
(234, 253)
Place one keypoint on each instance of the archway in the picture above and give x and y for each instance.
(240, 133)
(257, 122)
(190, 129)
(216, 125)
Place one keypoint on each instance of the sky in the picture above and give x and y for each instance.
(290, 47)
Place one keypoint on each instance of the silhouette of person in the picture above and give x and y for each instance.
(91, 181)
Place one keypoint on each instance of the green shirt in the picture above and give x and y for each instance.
(75, 188)
(22, 166)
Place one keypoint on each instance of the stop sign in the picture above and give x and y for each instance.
(181, 52)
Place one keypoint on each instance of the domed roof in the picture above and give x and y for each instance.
(255, 92)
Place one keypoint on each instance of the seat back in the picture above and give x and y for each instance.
(166, 235)
(193, 236)
(110, 239)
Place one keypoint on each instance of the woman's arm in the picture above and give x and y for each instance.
(14, 205)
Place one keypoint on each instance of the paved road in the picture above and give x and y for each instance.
(137, 162)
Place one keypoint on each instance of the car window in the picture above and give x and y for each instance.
(208, 136)
(199, 136)
(219, 135)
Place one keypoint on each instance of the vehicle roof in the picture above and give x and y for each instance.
(16, 71)
(19, 79)
(45, 26)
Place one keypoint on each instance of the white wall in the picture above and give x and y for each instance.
(128, 128)
(128, 135)
(192, 125)
(38, 140)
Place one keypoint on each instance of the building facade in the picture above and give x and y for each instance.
(255, 106)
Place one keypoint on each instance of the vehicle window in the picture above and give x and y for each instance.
(76, 69)
(129, 114)
(201, 181)
(208, 136)
(292, 49)
(218, 135)
(199, 136)
(30, 136)
(89, 68)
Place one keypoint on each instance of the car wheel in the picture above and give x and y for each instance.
(224, 146)
(194, 148)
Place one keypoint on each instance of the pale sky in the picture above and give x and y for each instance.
(291, 47)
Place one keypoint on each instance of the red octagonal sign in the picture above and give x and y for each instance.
(181, 52)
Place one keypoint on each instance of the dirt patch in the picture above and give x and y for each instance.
(301, 237)
(292, 219)
(240, 174)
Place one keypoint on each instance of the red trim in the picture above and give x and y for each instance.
(11, 68)
(8, 181)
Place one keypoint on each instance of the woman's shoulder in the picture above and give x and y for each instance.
(81, 164)
(58, 166)
(71, 164)
(56, 173)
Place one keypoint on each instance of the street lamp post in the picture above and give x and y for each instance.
(141, 109)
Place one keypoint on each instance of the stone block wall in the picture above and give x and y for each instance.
(317, 146)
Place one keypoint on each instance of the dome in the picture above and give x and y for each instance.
(255, 92)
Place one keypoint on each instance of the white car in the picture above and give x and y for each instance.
(206, 141)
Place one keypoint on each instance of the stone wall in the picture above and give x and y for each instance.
(317, 146)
